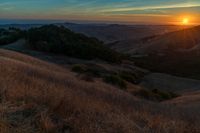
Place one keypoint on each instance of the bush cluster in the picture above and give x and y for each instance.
(115, 80)
(156, 95)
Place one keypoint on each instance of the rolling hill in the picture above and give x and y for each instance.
(175, 53)
(186, 40)
(39, 96)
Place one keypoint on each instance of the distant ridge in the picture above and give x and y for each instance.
(176, 41)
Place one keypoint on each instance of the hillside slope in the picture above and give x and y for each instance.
(183, 40)
(37, 96)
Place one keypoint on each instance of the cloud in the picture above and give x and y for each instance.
(6, 6)
(150, 8)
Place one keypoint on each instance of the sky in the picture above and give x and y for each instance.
(127, 11)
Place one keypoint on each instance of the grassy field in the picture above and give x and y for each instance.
(41, 97)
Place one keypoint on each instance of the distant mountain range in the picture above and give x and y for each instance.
(133, 38)
(109, 33)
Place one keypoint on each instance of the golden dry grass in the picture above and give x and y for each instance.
(40, 97)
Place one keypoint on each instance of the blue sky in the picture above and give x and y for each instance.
(149, 11)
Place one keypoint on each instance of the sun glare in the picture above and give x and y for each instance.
(185, 21)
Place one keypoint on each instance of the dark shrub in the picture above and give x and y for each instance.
(164, 95)
(155, 95)
(91, 69)
(78, 68)
(87, 77)
(146, 94)
(115, 80)
(96, 70)
(128, 77)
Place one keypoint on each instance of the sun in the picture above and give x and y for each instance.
(185, 21)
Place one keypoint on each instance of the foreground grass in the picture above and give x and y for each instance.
(39, 97)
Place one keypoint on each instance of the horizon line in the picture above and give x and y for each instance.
(6, 21)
